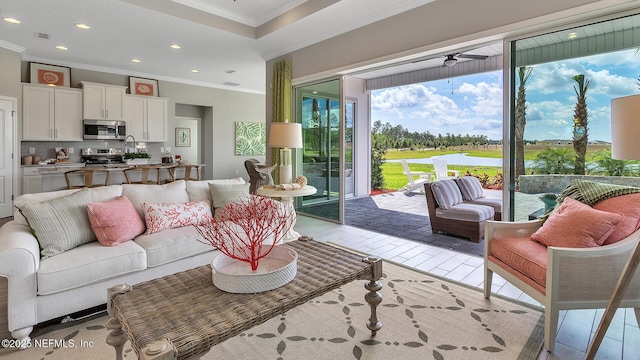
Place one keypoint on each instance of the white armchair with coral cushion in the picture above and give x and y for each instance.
(573, 261)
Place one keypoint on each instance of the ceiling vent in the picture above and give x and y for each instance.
(39, 35)
(228, 83)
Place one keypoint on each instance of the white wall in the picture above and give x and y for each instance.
(190, 153)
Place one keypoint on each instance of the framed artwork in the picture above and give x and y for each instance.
(251, 138)
(140, 86)
(183, 137)
(50, 74)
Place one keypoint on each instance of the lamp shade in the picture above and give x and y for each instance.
(625, 128)
(285, 135)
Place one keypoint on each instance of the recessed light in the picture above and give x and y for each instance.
(83, 26)
(572, 35)
(135, 60)
(195, 70)
(12, 20)
(175, 46)
(60, 47)
(229, 71)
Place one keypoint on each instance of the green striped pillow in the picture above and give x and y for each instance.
(60, 224)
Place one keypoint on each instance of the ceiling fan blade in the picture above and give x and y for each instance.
(470, 56)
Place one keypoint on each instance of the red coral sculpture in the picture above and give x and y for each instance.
(239, 230)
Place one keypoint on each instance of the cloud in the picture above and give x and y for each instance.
(488, 97)
(407, 97)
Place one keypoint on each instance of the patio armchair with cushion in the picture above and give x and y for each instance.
(449, 213)
(572, 261)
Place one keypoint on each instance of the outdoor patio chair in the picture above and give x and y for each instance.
(414, 184)
(441, 171)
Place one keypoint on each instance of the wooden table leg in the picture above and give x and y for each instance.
(373, 297)
(116, 338)
(159, 350)
(625, 278)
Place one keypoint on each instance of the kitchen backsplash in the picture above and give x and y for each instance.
(46, 149)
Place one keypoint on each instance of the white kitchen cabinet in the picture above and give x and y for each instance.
(103, 102)
(31, 180)
(51, 113)
(146, 118)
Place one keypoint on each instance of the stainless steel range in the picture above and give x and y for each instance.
(102, 156)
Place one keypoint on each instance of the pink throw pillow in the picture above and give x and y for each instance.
(160, 216)
(575, 224)
(629, 207)
(114, 221)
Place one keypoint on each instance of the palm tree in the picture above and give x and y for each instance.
(521, 120)
(554, 161)
(580, 122)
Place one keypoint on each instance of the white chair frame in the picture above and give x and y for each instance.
(577, 278)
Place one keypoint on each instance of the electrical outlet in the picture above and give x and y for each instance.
(162, 150)
(32, 150)
(70, 150)
(237, 173)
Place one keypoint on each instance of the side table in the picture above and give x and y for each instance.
(286, 197)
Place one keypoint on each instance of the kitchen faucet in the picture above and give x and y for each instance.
(134, 143)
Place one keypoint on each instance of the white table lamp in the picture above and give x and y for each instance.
(625, 128)
(286, 136)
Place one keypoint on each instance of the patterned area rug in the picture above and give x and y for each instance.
(423, 317)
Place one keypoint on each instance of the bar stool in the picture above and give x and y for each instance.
(187, 173)
(87, 178)
(144, 174)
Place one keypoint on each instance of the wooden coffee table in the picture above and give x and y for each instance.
(183, 315)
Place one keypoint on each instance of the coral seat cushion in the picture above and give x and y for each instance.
(629, 207)
(524, 255)
(575, 224)
(114, 221)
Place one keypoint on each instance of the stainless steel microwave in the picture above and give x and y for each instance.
(104, 129)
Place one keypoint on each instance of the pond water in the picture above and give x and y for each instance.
(458, 159)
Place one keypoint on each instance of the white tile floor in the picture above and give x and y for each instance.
(622, 341)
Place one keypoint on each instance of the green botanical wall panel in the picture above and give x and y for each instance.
(251, 138)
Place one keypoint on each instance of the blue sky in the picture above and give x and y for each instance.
(473, 104)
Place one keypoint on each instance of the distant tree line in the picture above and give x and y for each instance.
(397, 137)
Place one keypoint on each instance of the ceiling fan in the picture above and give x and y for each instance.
(452, 60)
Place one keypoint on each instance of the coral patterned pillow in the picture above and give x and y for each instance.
(160, 216)
(575, 224)
(114, 221)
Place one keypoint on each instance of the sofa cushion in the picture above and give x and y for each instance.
(524, 255)
(575, 224)
(222, 194)
(171, 245)
(161, 216)
(88, 264)
(114, 221)
(466, 212)
(24, 199)
(60, 224)
(169, 193)
(629, 207)
(446, 193)
(496, 204)
(199, 190)
(470, 188)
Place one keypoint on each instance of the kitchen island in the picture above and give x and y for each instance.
(50, 177)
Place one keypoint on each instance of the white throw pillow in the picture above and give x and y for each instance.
(174, 192)
(199, 190)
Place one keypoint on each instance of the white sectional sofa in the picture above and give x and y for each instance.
(44, 288)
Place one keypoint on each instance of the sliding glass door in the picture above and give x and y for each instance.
(318, 109)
